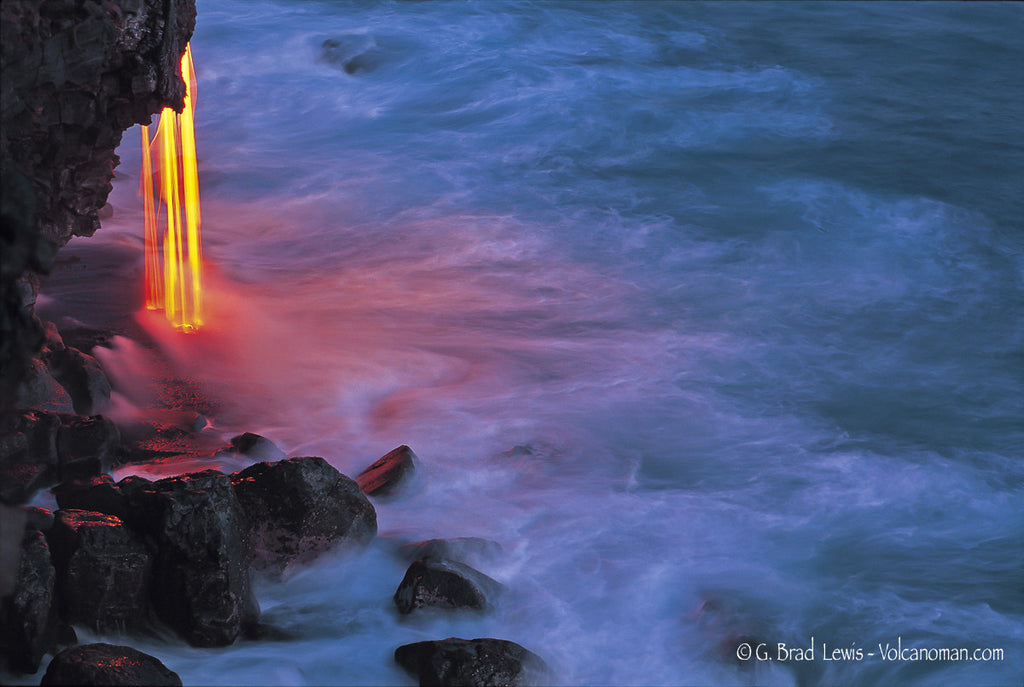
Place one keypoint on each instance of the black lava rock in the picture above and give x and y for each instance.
(86, 446)
(389, 473)
(107, 664)
(27, 616)
(299, 508)
(201, 573)
(254, 446)
(97, 493)
(28, 454)
(103, 571)
(472, 663)
(39, 518)
(444, 583)
(83, 378)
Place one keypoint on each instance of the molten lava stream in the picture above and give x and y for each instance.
(174, 263)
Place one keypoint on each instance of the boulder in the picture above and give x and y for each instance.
(13, 446)
(41, 391)
(39, 518)
(28, 454)
(27, 616)
(103, 571)
(32, 436)
(12, 530)
(40, 448)
(385, 476)
(82, 377)
(19, 481)
(97, 493)
(200, 581)
(52, 342)
(86, 446)
(107, 664)
(443, 583)
(299, 508)
(253, 446)
(472, 663)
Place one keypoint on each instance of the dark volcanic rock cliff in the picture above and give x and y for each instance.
(75, 75)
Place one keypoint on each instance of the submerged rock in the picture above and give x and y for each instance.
(389, 473)
(351, 54)
(103, 571)
(107, 664)
(300, 507)
(27, 616)
(444, 583)
(729, 629)
(254, 446)
(472, 663)
(201, 574)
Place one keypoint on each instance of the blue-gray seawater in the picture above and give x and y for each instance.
(710, 314)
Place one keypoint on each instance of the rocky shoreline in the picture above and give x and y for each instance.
(171, 557)
(174, 557)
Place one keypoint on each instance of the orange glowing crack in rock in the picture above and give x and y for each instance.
(174, 263)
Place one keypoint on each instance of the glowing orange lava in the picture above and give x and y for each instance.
(174, 264)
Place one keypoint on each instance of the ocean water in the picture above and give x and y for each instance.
(711, 315)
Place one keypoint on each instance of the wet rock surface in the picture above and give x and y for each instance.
(19, 481)
(82, 377)
(107, 664)
(28, 454)
(39, 448)
(27, 615)
(39, 518)
(24, 255)
(86, 446)
(98, 493)
(389, 474)
(444, 583)
(201, 572)
(103, 571)
(300, 507)
(472, 662)
(73, 76)
(39, 389)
